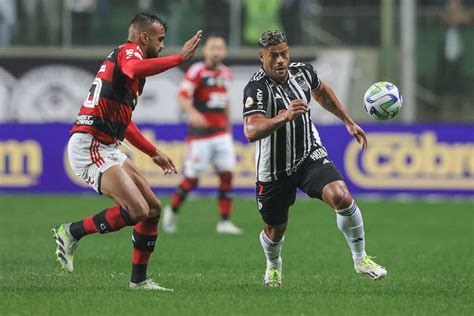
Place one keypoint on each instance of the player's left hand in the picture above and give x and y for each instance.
(358, 133)
(165, 162)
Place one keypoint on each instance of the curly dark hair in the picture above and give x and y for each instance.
(271, 37)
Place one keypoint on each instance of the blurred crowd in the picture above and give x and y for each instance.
(306, 22)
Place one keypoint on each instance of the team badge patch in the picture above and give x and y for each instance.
(302, 83)
(249, 102)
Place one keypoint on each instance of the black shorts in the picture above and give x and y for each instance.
(275, 198)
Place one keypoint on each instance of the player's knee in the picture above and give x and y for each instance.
(139, 211)
(155, 210)
(275, 233)
(338, 195)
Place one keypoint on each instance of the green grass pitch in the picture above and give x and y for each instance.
(426, 247)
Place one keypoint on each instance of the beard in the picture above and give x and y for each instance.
(151, 53)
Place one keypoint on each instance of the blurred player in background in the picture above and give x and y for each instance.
(204, 98)
(290, 153)
(104, 120)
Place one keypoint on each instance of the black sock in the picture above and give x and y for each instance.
(139, 272)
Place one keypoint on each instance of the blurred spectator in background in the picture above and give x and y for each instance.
(82, 14)
(454, 17)
(7, 20)
(41, 21)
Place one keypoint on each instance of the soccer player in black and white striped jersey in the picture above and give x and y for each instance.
(290, 153)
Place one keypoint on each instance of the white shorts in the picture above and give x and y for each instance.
(217, 150)
(89, 158)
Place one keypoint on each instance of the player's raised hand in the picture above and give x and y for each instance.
(296, 108)
(358, 133)
(189, 48)
(165, 162)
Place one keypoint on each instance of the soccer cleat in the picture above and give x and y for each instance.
(227, 227)
(149, 284)
(65, 246)
(272, 277)
(367, 266)
(169, 220)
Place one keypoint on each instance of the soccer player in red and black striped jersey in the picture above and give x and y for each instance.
(204, 97)
(103, 122)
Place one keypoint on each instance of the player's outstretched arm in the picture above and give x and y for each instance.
(326, 97)
(152, 66)
(258, 126)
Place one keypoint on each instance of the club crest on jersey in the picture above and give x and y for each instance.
(302, 83)
(248, 102)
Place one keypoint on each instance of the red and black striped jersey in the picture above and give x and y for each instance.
(107, 110)
(208, 88)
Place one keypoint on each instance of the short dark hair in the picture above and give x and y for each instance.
(146, 19)
(271, 37)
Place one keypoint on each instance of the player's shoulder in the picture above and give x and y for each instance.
(301, 66)
(194, 70)
(130, 50)
(258, 79)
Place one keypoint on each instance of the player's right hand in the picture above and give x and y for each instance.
(165, 162)
(198, 120)
(189, 48)
(296, 108)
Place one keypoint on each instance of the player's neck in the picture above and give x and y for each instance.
(211, 65)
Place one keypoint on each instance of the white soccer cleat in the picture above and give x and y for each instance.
(149, 284)
(65, 246)
(227, 227)
(169, 220)
(367, 266)
(272, 277)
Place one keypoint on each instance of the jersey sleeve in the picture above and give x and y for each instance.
(315, 83)
(189, 83)
(255, 98)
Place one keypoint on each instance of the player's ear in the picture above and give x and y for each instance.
(260, 55)
(144, 38)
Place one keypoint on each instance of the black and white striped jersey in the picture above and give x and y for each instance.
(283, 151)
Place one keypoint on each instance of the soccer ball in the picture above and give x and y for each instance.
(383, 101)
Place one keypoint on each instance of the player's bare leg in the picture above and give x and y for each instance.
(131, 208)
(225, 226)
(145, 232)
(350, 223)
(271, 239)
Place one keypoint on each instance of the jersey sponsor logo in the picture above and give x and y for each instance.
(249, 102)
(84, 120)
(260, 99)
(411, 161)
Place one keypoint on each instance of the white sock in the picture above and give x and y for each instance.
(272, 250)
(350, 223)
